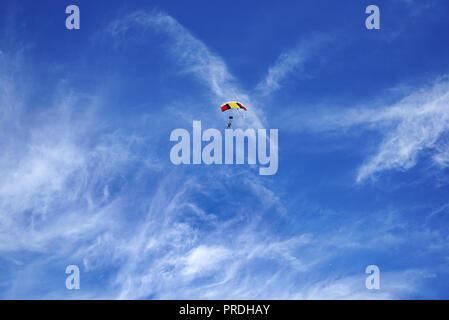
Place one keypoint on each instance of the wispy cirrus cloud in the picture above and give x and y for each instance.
(181, 248)
(47, 169)
(171, 257)
(291, 61)
(192, 55)
(189, 52)
(417, 123)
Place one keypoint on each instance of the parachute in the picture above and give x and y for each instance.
(232, 105)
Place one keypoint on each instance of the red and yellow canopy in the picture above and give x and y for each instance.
(232, 105)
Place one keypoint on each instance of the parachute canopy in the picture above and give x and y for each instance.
(232, 105)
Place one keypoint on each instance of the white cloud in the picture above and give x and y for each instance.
(416, 124)
(53, 161)
(419, 121)
(203, 259)
(289, 62)
(392, 286)
(194, 57)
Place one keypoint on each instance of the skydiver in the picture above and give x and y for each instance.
(229, 122)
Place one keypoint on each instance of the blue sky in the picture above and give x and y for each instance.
(85, 121)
